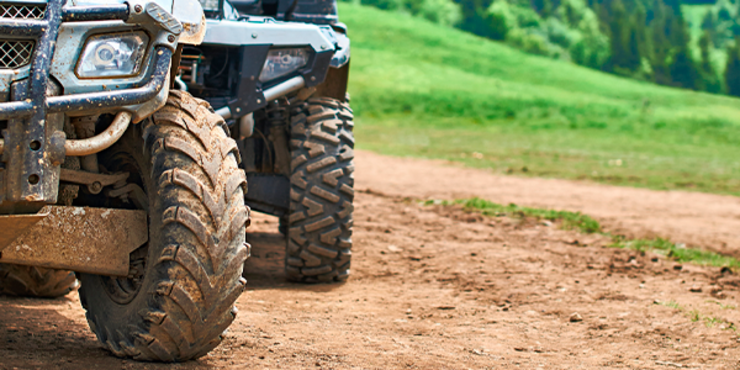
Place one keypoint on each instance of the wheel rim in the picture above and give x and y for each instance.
(123, 290)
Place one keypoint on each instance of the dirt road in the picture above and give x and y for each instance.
(435, 288)
(696, 219)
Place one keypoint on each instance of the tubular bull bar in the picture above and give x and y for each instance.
(46, 30)
(34, 146)
(33, 150)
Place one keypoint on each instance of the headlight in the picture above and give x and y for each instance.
(113, 55)
(281, 62)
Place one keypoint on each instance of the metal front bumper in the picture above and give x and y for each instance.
(70, 238)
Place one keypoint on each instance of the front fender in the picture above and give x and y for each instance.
(188, 12)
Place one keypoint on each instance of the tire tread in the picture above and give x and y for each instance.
(319, 230)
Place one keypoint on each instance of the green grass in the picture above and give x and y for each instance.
(677, 252)
(672, 304)
(569, 220)
(587, 224)
(695, 316)
(425, 90)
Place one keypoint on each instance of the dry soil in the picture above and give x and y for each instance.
(436, 288)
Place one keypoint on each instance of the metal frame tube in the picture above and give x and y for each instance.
(97, 143)
(284, 88)
(224, 112)
(95, 13)
(100, 141)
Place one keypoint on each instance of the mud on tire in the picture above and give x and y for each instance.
(28, 281)
(180, 293)
(319, 246)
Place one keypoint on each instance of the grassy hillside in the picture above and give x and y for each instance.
(426, 90)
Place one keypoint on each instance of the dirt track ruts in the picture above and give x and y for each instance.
(435, 288)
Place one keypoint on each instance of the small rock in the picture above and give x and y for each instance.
(546, 223)
(393, 248)
(718, 293)
(668, 363)
(695, 289)
(576, 317)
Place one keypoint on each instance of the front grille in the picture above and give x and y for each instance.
(15, 53)
(19, 11)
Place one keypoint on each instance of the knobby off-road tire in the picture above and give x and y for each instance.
(319, 246)
(27, 281)
(179, 297)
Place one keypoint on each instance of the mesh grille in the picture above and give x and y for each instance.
(22, 11)
(15, 54)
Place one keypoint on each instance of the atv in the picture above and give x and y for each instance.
(114, 164)
(109, 171)
(277, 72)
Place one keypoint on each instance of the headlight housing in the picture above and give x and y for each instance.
(113, 55)
(281, 62)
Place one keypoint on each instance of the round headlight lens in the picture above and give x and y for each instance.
(113, 55)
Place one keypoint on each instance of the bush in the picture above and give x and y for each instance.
(559, 34)
(526, 17)
(444, 12)
(529, 42)
(502, 20)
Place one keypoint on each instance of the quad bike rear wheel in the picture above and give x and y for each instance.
(319, 243)
(30, 281)
(179, 296)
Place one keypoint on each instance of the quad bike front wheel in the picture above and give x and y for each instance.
(30, 281)
(319, 245)
(179, 295)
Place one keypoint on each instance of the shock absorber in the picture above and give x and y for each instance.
(277, 120)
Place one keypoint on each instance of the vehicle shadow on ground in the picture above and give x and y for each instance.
(53, 333)
(33, 333)
(38, 333)
(265, 268)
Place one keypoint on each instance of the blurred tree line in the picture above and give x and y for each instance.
(647, 40)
